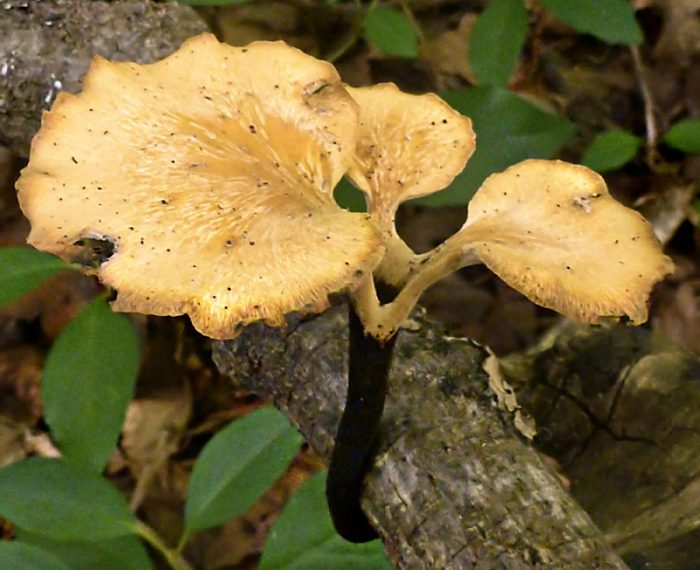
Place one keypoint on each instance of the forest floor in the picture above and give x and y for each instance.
(181, 399)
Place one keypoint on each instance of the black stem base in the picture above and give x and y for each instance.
(368, 371)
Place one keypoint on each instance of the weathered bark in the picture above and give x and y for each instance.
(621, 410)
(453, 486)
(46, 47)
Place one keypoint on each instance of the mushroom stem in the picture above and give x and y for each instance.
(397, 261)
(382, 321)
(368, 370)
(373, 328)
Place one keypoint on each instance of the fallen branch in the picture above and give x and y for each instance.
(453, 485)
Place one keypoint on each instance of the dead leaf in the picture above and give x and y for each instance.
(55, 302)
(678, 316)
(40, 444)
(20, 376)
(11, 441)
(680, 38)
(449, 51)
(152, 432)
(506, 398)
(243, 24)
(668, 207)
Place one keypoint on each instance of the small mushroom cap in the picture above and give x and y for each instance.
(211, 172)
(408, 146)
(552, 231)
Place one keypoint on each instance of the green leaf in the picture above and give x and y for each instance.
(349, 197)
(54, 498)
(123, 553)
(685, 136)
(497, 40)
(303, 538)
(22, 269)
(508, 130)
(88, 382)
(17, 555)
(238, 465)
(610, 150)
(391, 32)
(609, 20)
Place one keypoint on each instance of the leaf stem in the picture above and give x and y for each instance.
(184, 538)
(173, 557)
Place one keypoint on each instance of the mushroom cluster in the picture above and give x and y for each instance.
(213, 184)
(207, 189)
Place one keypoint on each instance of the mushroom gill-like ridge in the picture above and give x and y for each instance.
(212, 173)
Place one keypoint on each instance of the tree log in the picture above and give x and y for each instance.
(620, 408)
(453, 486)
(47, 46)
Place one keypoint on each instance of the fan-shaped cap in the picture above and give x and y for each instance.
(212, 173)
(552, 231)
(408, 146)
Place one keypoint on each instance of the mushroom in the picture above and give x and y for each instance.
(408, 146)
(208, 189)
(212, 183)
(552, 231)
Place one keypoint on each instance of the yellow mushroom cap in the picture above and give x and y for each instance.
(212, 173)
(552, 231)
(408, 146)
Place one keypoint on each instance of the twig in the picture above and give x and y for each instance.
(649, 118)
(414, 23)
